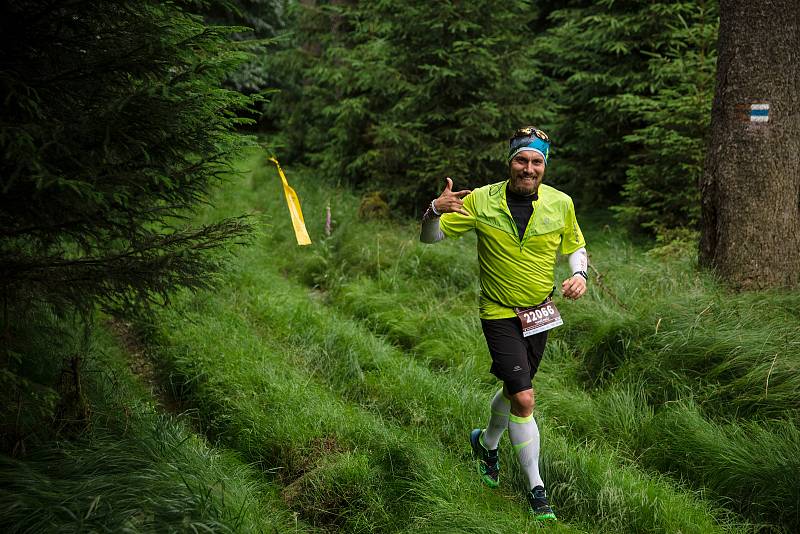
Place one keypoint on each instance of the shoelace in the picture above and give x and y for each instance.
(491, 464)
(539, 500)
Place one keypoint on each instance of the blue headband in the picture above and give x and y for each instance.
(518, 144)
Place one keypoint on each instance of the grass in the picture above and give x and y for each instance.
(382, 332)
(332, 388)
(341, 465)
(653, 333)
(137, 469)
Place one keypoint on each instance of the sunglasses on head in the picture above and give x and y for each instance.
(530, 131)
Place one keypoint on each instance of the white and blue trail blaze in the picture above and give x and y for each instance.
(759, 112)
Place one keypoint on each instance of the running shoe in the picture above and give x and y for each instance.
(539, 507)
(488, 463)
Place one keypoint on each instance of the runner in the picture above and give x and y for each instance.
(521, 225)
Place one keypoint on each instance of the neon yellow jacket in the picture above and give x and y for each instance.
(515, 273)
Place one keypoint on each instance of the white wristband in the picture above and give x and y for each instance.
(433, 208)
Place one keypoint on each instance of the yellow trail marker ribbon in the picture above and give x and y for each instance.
(294, 208)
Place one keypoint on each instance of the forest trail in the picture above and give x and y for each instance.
(352, 371)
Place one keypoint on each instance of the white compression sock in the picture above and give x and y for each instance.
(524, 435)
(498, 421)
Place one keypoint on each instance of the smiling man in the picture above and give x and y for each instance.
(521, 225)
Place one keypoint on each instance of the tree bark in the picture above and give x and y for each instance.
(751, 184)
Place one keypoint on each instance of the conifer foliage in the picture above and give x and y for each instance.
(114, 125)
(636, 82)
(262, 20)
(397, 95)
(392, 96)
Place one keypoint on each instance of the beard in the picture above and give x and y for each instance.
(524, 184)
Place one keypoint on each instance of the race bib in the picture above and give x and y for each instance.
(539, 318)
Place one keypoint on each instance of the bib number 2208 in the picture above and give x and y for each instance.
(539, 318)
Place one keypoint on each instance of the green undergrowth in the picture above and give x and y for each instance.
(331, 388)
(135, 469)
(352, 370)
(660, 358)
(340, 465)
(264, 374)
(660, 353)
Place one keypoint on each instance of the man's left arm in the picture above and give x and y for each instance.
(575, 286)
(572, 243)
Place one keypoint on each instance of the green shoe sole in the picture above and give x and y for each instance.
(489, 481)
(547, 516)
(477, 451)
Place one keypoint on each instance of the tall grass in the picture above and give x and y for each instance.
(337, 384)
(340, 465)
(159, 478)
(136, 469)
(422, 406)
(652, 332)
(309, 361)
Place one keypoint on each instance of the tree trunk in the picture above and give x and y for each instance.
(751, 185)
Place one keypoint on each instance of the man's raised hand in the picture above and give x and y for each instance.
(450, 201)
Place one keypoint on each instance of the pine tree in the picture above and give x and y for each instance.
(114, 127)
(635, 80)
(114, 124)
(405, 93)
(261, 21)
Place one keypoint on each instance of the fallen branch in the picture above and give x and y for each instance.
(599, 281)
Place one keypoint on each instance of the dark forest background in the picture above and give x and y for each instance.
(394, 96)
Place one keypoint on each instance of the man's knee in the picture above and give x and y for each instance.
(522, 403)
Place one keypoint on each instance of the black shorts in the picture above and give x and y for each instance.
(515, 359)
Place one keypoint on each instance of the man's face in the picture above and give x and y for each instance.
(527, 171)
